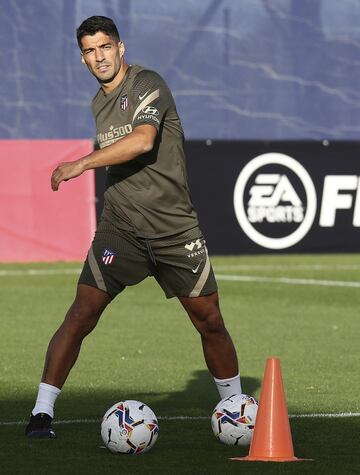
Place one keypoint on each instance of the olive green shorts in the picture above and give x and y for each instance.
(180, 263)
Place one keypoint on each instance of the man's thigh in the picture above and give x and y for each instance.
(183, 267)
(115, 260)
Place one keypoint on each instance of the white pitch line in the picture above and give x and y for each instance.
(287, 280)
(233, 267)
(340, 415)
(326, 416)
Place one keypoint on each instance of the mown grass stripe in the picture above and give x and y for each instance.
(224, 277)
(37, 272)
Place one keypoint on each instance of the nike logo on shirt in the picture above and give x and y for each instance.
(142, 97)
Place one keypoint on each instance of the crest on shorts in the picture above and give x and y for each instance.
(124, 102)
(108, 256)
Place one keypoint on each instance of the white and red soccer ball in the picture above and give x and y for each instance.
(233, 419)
(129, 427)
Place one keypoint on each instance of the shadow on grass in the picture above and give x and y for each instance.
(198, 399)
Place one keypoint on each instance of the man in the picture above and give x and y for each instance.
(148, 225)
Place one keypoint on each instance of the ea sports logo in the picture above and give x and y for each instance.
(275, 201)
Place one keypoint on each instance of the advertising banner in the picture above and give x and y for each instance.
(260, 197)
(37, 224)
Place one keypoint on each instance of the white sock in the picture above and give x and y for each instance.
(228, 387)
(46, 399)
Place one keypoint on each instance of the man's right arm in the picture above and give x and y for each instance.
(139, 141)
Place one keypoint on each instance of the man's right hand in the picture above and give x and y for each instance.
(65, 171)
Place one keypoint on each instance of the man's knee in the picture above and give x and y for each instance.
(214, 323)
(209, 322)
(205, 314)
(84, 314)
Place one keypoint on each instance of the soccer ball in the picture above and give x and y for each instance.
(233, 419)
(129, 427)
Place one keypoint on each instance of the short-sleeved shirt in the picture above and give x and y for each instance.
(149, 194)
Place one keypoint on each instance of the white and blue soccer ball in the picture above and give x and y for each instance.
(233, 419)
(129, 427)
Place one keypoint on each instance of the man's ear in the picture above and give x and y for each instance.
(121, 47)
(82, 58)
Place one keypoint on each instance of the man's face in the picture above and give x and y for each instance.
(102, 55)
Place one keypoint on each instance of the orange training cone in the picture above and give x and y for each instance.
(272, 441)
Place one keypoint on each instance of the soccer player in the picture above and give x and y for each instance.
(148, 226)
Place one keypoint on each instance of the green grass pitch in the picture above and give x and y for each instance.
(303, 309)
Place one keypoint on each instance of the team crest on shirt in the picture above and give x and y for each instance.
(108, 256)
(124, 102)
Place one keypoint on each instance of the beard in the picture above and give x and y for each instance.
(106, 80)
(108, 76)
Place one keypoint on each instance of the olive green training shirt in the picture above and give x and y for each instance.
(149, 194)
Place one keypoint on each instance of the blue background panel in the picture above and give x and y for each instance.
(239, 69)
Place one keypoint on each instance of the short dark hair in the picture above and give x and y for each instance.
(93, 24)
